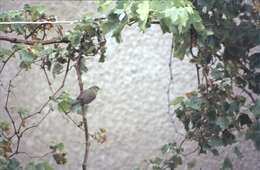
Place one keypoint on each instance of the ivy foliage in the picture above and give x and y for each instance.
(173, 16)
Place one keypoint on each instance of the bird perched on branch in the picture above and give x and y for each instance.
(87, 96)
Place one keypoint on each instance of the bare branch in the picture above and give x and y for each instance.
(32, 42)
(46, 76)
(7, 109)
(54, 94)
(169, 87)
(35, 156)
(84, 115)
(6, 61)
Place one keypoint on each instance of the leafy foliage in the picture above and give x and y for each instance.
(172, 157)
(58, 153)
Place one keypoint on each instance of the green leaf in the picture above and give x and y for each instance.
(191, 164)
(57, 69)
(178, 100)
(74, 37)
(3, 163)
(13, 164)
(4, 126)
(64, 102)
(168, 148)
(83, 67)
(227, 164)
(143, 13)
(35, 10)
(255, 61)
(156, 161)
(23, 112)
(57, 147)
(256, 108)
(182, 43)
(38, 165)
(215, 152)
(103, 5)
(254, 134)
(194, 102)
(215, 142)
(237, 152)
(64, 106)
(179, 16)
(223, 122)
(27, 59)
(175, 161)
(4, 52)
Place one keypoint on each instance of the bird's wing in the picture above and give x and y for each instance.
(89, 96)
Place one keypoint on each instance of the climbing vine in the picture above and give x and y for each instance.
(217, 36)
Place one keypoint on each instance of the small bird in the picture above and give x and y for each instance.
(87, 96)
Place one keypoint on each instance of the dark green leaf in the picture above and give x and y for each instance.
(256, 108)
(38, 165)
(57, 69)
(227, 164)
(191, 164)
(194, 102)
(237, 152)
(178, 100)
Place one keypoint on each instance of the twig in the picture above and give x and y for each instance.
(84, 115)
(32, 42)
(170, 78)
(21, 133)
(35, 29)
(169, 87)
(84, 119)
(6, 61)
(7, 109)
(189, 153)
(54, 94)
(73, 121)
(46, 76)
(198, 74)
(35, 157)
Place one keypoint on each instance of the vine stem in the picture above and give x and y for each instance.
(32, 42)
(84, 115)
(83, 110)
(169, 87)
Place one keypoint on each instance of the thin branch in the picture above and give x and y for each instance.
(32, 42)
(84, 114)
(34, 31)
(40, 22)
(46, 76)
(169, 86)
(54, 94)
(20, 134)
(189, 153)
(73, 121)
(171, 76)
(35, 157)
(198, 74)
(36, 124)
(7, 109)
(6, 61)
(84, 118)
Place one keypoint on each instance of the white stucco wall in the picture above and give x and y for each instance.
(132, 104)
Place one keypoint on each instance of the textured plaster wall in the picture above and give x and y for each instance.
(132, 104)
